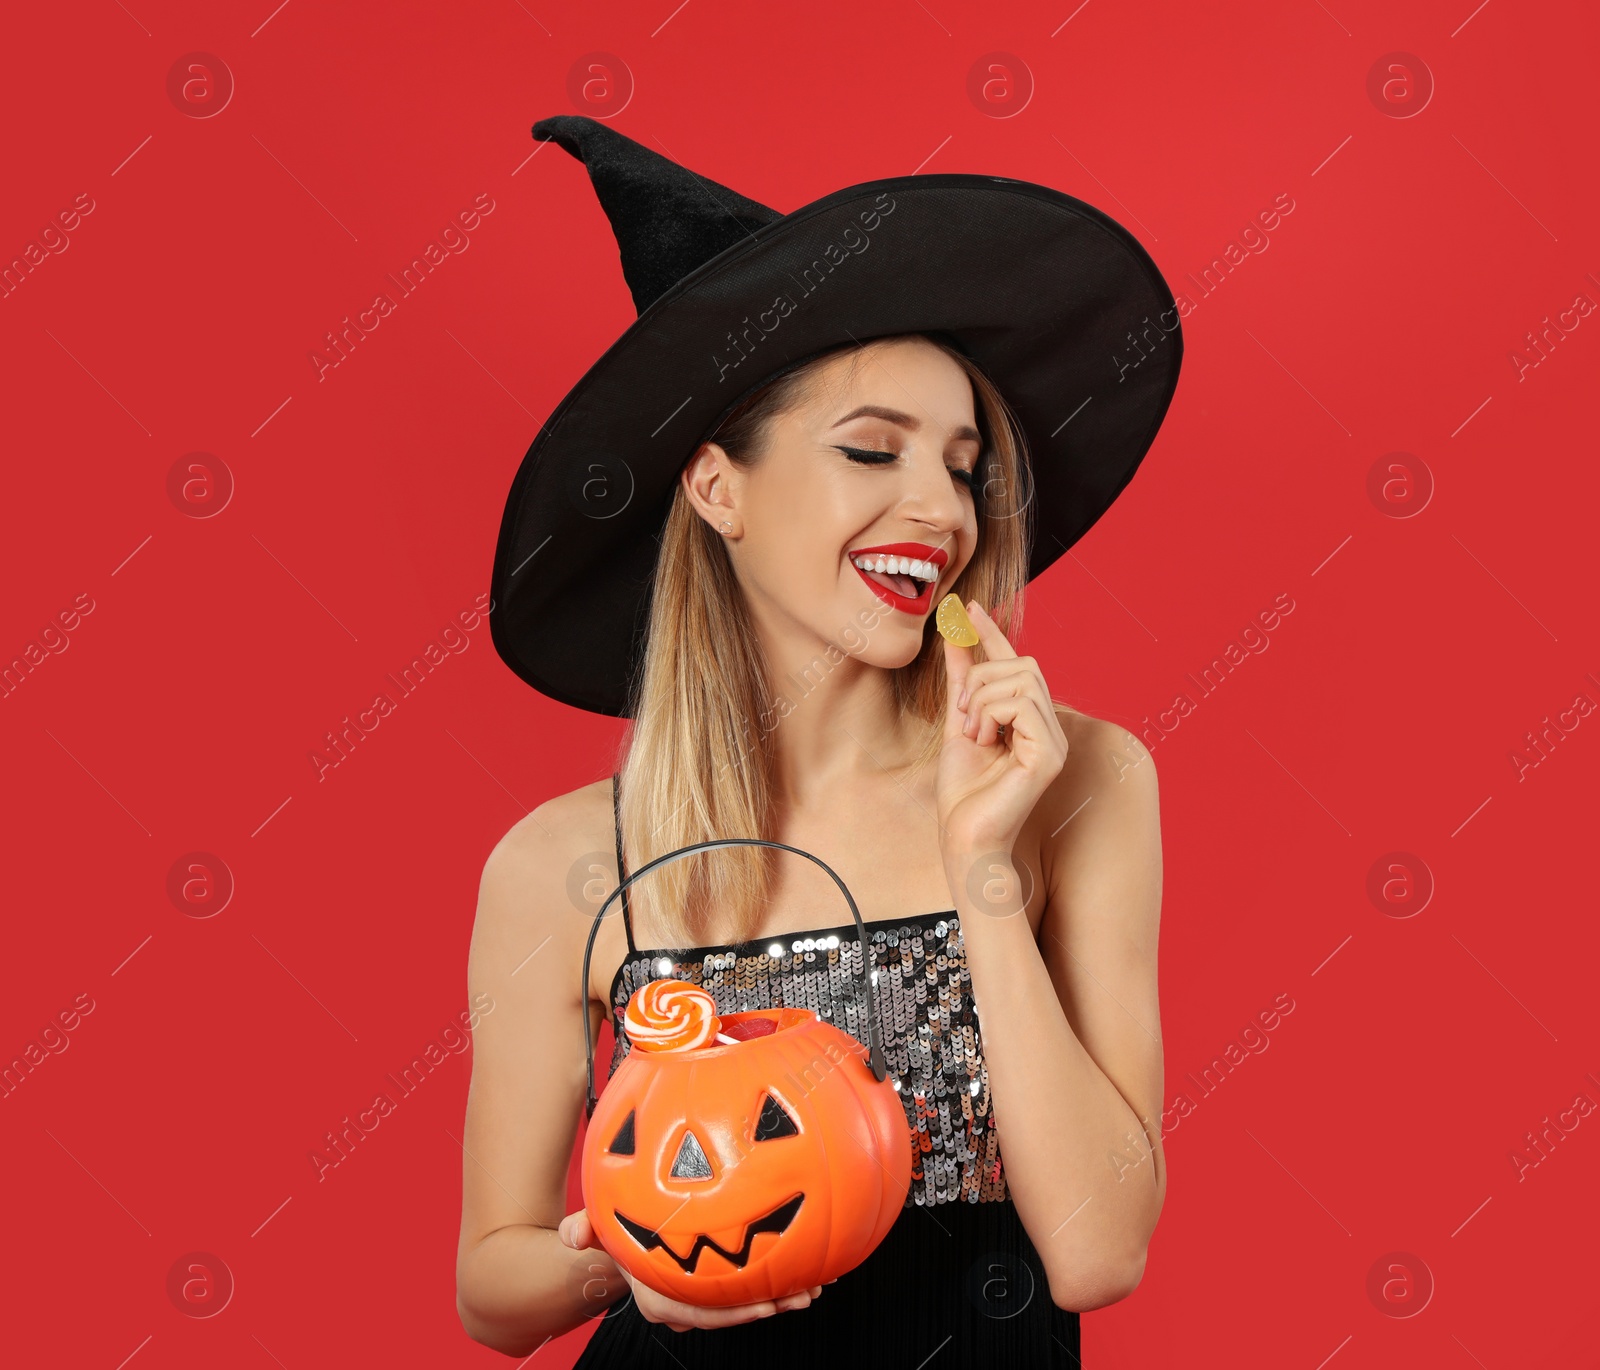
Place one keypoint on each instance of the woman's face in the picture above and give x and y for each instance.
(874, 468)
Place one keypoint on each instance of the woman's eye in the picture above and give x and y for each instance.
(869, 457)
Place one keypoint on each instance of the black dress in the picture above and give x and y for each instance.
(957, 1281)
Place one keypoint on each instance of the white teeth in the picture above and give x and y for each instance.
(909, 566)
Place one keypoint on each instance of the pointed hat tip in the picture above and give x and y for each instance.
(571, 131)
(667, 220)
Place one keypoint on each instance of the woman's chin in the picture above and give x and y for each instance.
(892, 641)
(889, 654)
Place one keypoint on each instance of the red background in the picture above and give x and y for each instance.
(1382, 318)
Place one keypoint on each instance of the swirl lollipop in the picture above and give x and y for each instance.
(671, 1015)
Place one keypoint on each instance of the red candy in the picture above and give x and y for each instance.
(746, 1028)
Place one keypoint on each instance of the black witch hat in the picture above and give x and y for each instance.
(1056, 301)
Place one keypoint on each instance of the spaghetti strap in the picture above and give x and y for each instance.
(622, 872)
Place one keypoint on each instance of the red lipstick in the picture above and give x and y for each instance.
(920, 551)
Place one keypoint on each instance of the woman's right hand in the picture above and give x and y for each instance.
(578, 1232)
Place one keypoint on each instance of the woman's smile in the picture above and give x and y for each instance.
(904, 575)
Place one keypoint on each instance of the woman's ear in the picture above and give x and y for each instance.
(708, 480)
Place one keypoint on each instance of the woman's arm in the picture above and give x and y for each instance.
(517, 1285)
(1071, 1024)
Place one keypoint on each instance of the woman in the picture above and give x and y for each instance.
(759, 600)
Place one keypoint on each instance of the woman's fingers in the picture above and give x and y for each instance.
(577, 1232)
(958, 669)
(995, 645)
(1030, 735)
(682, 1316)
(986, 672)
(963, 675)
(984, 710)
(980, 707)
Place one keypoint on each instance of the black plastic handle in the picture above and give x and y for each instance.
(879, 1069)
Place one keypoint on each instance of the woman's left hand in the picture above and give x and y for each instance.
(988, 781)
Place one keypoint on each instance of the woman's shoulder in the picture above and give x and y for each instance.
(1106, 762)
(1096, 744)
(575, 821)
(548, 860)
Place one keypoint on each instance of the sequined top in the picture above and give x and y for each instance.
(923, 993)
(953, 1283)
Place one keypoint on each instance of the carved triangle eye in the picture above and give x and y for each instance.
(774, 1122)
(622, 1143)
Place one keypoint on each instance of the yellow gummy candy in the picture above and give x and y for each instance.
(952, 621)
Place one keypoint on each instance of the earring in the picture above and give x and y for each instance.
(725, 528)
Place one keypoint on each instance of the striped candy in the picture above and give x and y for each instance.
(671, 1015)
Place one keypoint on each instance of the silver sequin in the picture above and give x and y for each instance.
(933, 1045)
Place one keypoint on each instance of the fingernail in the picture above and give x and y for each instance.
(961, 699)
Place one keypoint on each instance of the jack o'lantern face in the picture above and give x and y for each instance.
(747, 1171)
(691, 1163)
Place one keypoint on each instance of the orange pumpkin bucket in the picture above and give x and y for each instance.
(743, 1157)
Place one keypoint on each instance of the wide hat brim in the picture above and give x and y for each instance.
(1056, 301)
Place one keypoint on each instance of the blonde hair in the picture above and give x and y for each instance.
(691, 766)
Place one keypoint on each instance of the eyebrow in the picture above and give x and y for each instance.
(878, 411)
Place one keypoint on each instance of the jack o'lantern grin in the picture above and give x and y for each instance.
(776, 1221)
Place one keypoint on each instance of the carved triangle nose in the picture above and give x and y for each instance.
(690, 1162)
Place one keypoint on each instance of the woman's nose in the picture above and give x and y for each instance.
(933, 497)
